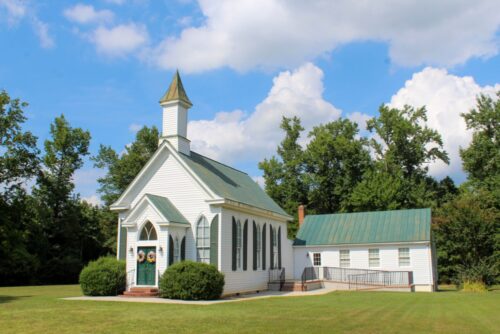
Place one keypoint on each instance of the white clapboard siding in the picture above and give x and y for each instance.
(249, 280)
(420, 259)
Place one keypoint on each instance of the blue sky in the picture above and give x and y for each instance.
(244, 64)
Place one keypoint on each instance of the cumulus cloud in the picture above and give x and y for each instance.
(93, 200)
(274, 33)
(445, 96)
(120, 40)
(81, 13)
(237, 136)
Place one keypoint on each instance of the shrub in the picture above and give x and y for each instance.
(190, 280)
(104, 277)
(471, 286)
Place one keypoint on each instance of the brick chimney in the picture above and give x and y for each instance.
(302, 213)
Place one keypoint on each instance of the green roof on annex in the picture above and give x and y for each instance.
(230, 183)
(365, 228)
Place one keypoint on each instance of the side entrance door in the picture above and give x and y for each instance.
(146, 271)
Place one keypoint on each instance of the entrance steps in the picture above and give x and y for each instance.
(141, 292)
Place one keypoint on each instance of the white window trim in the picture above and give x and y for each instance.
(205, 236)
(258, 251)
(404, 258)
(239, 248)
(314, 259)
(348, 259)
(377, 258)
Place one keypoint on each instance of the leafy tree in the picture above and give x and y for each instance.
(336, 160)
(58, 208)
(481, 160)
(284, 175)
(19, 154)
(18, 162)
(466, 231)
(403, 146)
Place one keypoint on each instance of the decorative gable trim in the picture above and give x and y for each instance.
(164, 145)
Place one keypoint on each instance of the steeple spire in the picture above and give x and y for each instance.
(176, 91)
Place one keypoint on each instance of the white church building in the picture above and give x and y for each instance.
(183, 205)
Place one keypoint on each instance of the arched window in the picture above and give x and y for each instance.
(177, 255)
(148, 232)
(203, 240)
(238, 244)
(258, 250)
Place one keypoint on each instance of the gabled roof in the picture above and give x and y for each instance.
(365, 228)
(176, 91)
(167, 209)
(230, 183)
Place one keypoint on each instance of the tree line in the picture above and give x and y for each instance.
(48, 233)
(341, 171)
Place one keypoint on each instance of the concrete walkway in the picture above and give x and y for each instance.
(253, 296)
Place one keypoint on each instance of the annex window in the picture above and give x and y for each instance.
(258, 250)
(317, 259)
(148, 232)
(373, 257)
(177, 252)
(404, 257)
(238, 245)
(203, 241)
(345, 260)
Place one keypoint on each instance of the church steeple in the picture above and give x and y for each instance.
(175, 104)
(176, 91)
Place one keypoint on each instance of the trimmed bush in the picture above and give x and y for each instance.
(104, 277)
(190, 280)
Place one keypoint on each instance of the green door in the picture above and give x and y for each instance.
(146, 270)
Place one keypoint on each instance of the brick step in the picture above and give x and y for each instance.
(292, 286)
(139, 294)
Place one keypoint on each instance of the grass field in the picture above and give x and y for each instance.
(40, 310)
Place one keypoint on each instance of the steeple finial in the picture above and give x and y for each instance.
(176, 91)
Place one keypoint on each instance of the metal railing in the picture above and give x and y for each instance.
(309, 274)
(368, 277)
(277, 276)
(130, 280)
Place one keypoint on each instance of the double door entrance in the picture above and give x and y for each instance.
(146, 266)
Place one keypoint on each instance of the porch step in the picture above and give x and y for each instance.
(141, 292)
(292, 286)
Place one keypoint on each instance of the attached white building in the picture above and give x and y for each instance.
(396, 241)
(183, 205)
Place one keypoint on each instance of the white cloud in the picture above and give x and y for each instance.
(93, 200)
(260, 181)
(236, 136)
(134, 127)
(16, 10)
(445, 96)
(275, 33)
(120, 40)
(42, 31)
(82, 13)
(115, 2)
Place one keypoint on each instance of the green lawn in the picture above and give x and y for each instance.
(39, 310)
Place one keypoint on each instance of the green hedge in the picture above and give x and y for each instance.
(104, 277)
(190, 280)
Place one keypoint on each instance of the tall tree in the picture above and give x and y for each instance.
(284, 175)
(18, 162)
(336, 159)
(59, 209)
(403, 146)
(481, 160)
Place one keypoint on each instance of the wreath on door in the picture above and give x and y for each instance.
(141, 256)
(151, 257)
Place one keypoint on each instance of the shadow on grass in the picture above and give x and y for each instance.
(8, 299)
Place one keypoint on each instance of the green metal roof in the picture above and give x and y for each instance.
(176, 91)
(365, 228)
(167, 209)
(230, 183)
